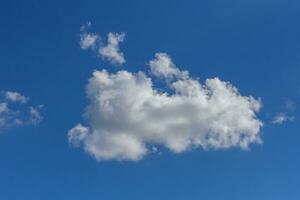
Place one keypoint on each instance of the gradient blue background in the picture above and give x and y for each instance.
(254, 44)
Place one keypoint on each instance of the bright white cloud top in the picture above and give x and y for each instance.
(128, 116)
(15, 111)
(109, 51)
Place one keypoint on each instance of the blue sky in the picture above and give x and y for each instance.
(254, 45)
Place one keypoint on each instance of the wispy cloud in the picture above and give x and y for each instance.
(15, 111)
(88, 40)
(15, 97)
(280, 118)
(286, 115)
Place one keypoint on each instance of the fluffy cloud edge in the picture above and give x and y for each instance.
(127, 114)
(110, 51)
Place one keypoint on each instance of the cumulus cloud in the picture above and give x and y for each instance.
(280, 118)
(109, 51)
(15, 111)
(88, 40)
(163, 67)
(3, 108)
(128, 116)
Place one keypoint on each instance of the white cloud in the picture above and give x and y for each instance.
(111, 51)
(88, 40)
(15, 97)
(163, 67)
(77, 134)
(35, 114)
(14, 111)
(128, 116)
(287, 115)
(280, 118)
(8, 117)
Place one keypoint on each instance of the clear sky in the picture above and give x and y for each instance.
(46, 62)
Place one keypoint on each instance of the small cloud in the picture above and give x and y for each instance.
(13, 111)
(280, 118)
(35, 115)
(8, 117)
(287, 115)
(109, 51)
(88, 40)
(77, 134)
(163, 67)
(15, 97)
